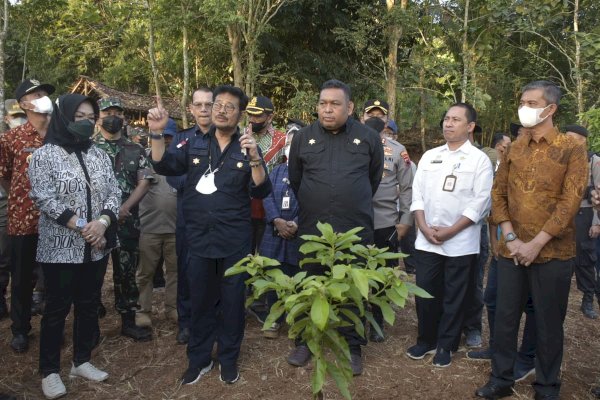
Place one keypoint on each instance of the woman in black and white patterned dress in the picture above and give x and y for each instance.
(75, 189)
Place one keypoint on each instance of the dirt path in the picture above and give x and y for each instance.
(152, 370)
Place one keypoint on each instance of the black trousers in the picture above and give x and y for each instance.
(183, 287)
(474, 310)
(447, 279)
(258, 231)
(585, 262)
(4, 262)
(217, 305)
(22, 263)
(381, 240)
(549, 284)
(68, 284)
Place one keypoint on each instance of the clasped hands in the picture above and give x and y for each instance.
(285, 229)
(438, 234)
(523, 253)
(93, 233)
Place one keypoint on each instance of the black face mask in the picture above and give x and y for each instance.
(112, 124)
(258, 126)
(83, 129)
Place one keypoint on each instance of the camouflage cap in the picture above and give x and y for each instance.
(12, 107)
(109, 102)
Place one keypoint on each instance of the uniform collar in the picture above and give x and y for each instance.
(465, 148)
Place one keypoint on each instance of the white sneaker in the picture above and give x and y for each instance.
(53, 387)
(88, 371)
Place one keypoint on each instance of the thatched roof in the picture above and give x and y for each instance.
(134, 103)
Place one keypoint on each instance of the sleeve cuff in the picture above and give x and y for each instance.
(417, 205)
(552, 229)
(472, 215)
(64, 218)
(109, 214)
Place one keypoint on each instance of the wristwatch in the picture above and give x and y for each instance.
(510, 237)
(156, 136)
(80, 223)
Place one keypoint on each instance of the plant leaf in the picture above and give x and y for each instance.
(319, 312)
(361, 281)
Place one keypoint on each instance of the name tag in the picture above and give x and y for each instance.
(285, 203)
(449, 183)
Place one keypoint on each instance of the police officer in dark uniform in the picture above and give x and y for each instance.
(335, 167)
(200, 107)
(224, 171)
(133, 173)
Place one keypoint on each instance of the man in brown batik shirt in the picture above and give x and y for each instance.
(538, 188)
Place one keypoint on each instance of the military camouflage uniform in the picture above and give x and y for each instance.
(130, 165)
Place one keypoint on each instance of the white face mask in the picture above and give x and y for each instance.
(531, 116)
(13, 123)
(43, 105)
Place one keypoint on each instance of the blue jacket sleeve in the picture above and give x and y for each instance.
(269, 202)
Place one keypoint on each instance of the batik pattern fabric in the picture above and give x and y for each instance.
(16, 148)
(539, 187)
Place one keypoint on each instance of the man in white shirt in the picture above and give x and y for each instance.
(451, 196)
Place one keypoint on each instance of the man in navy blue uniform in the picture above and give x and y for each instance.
(200, 107)
(224, 170)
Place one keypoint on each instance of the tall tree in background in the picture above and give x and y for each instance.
(393, 36)
(3, 33)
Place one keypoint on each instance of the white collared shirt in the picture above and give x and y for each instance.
(471, 196)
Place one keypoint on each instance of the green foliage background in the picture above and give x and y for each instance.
(510, 42)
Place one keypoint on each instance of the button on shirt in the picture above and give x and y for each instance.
(217, 224)
(335, 176)
(180, 140)
(470, 198)
(395, 190)
(16, 149)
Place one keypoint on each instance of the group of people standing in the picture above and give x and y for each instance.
(201, 199)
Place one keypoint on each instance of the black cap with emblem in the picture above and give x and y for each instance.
(30, 86)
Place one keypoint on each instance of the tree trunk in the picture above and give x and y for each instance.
(422, 108)
(251, 69)
(465, 54)
(3, 33)
(577, 66)
(186, 73)
(235, 45)
(394, 35)
(151, 50)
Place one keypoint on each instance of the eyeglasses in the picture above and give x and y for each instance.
(203, 105)
(80, 116)
(229, 108)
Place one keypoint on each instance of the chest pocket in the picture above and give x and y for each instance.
(234, 175)
(465, 178)
(358, 148)
(198, 157)
(129, 161)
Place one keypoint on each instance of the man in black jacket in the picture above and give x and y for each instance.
(335, 167)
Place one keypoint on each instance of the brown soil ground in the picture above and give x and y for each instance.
(152, 370)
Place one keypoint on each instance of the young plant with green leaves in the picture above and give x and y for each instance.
(316, 306)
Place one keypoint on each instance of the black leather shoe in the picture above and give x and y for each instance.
(596, 392)
(492, 391)
(7, 397)
(20, 343)
(183, 336)
(300, 356)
